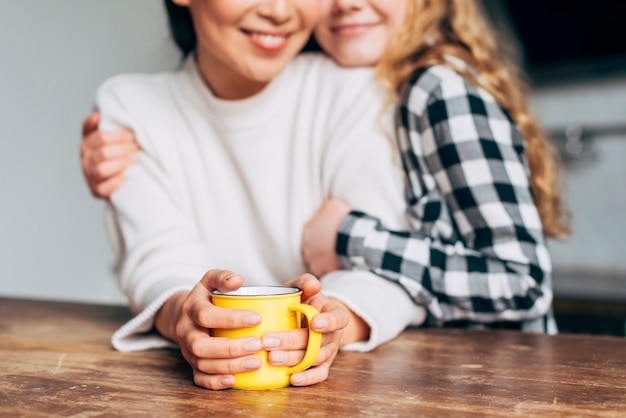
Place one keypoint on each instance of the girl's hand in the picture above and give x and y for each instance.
(187, 318)
(287, 348)
(105, 156)
(319, 238)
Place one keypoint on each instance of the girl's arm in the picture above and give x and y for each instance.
(476, 251)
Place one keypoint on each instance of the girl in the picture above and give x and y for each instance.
(238, 148)
(481, 179)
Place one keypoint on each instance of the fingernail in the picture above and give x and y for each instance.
(297, 379)
(227, 381)
(252, 319)
(251, 364)
(271, 342)
(320, 323)
(253, 346)
(278, 357)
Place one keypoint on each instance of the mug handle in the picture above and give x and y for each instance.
(315, 339)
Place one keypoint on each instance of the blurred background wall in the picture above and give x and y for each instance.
(575, 56)
(56, 53)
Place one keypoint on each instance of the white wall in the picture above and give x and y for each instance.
(53, 55)
(592, 261)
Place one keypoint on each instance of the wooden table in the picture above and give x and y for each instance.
(56, 360)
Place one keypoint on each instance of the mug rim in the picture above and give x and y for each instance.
(259, 291)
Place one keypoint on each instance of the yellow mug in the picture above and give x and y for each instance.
(280, 309)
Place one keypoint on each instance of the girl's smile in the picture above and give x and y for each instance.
(352, 29)
(355, 33)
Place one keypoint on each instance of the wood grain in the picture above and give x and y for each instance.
(56, 360)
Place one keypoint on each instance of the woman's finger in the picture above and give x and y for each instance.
(286, 340)
(213, 381)
(248, 363)
(308, 283)
(207, 347)
(311, 376)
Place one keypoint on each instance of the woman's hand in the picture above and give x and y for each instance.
(105, 156)
(287, 348)
(187, 319)
(319, 238)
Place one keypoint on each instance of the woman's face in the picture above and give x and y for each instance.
(244, 44)
(355, 33)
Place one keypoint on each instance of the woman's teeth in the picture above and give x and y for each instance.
(269, 40)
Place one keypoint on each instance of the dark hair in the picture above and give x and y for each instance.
(184, 34)
(181, 26)
(312, 46)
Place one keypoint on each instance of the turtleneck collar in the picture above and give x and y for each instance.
(233, 114)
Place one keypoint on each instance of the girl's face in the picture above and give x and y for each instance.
(355, 33)
(244, 44)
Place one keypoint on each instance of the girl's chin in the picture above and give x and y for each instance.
(357, 60)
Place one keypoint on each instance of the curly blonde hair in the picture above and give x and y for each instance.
(436, 28)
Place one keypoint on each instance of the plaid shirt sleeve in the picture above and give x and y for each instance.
(476, 253)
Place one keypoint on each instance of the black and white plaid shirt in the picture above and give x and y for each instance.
(476, 254)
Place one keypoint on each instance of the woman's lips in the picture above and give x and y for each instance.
(268, 41)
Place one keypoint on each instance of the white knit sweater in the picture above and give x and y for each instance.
(230, 184)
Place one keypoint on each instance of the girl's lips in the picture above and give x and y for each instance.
(268, 41)
(352, 29)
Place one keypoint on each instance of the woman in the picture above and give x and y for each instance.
(238, 148)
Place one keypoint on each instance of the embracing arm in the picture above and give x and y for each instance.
(105, 155)
(476, 251)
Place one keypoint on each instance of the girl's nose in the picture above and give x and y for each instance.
(346, 5)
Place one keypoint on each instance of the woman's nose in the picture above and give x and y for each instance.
(278, 11)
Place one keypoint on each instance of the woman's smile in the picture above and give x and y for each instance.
(268, 41)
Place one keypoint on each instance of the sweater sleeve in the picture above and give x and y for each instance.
(159, 252)
(475, 254)
(383, 305)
